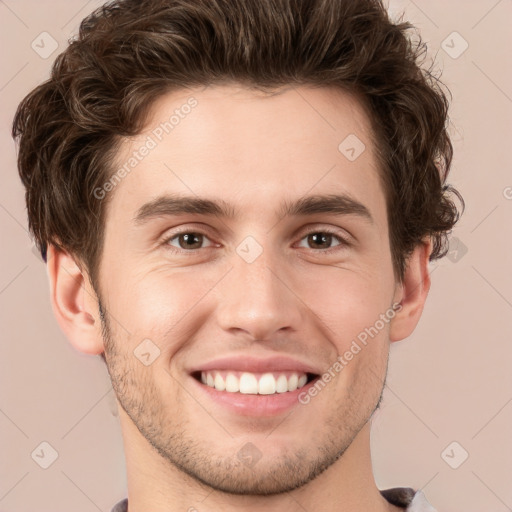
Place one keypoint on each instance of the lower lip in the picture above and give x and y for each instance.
(255, 405)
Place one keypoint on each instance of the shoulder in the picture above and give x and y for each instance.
(122, 506)
(409, 499)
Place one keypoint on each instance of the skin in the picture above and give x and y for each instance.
(253, 151)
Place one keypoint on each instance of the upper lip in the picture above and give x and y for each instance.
(256, 365)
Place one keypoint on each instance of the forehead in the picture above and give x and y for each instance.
(249, 147)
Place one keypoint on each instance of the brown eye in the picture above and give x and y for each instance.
(323, 240)
(320, 240)
(189, 240)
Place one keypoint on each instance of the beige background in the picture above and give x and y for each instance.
(449, 382)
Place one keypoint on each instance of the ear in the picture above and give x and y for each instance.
(74, 302)
(412, 292)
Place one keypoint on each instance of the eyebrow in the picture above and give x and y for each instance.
(172, 204)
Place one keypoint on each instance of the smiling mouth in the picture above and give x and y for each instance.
(250, 383)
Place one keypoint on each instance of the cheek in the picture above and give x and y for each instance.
(157, 305)
(346, 303)
(349, 306)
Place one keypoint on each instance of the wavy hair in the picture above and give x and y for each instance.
(130, 52)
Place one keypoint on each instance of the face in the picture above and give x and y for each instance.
(262, 281)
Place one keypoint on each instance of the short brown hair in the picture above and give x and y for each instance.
(130, 52)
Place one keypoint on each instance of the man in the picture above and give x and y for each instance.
(238, 202)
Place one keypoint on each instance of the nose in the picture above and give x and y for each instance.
(257, 298)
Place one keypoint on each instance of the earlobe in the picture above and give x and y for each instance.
(412, 293)
(73, 302)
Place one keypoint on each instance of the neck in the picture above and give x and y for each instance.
(157, 485)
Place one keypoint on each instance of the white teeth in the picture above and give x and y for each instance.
(302, 380)
(282, 384)
(232, 383)
(219, 382)
(267, 384)
(292, 382)
(248, 383)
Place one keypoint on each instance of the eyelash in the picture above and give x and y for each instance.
(342, 241)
